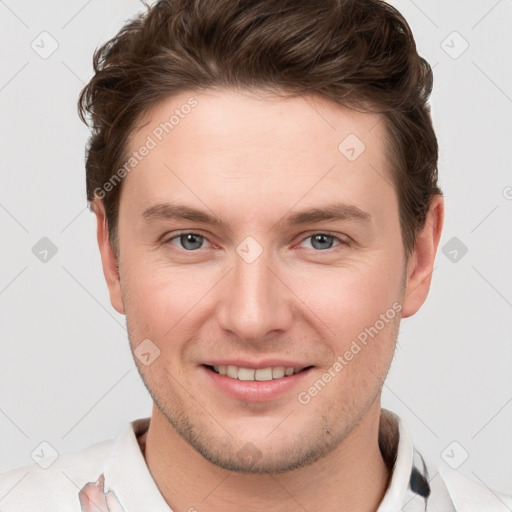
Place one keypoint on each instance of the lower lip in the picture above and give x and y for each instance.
(254, 390)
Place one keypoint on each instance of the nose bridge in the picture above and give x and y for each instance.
(255, 301)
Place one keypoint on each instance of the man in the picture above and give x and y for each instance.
(264, 178)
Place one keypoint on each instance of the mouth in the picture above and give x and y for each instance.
(256, 374)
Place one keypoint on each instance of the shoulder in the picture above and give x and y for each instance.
(53, 485)
(431, 487)
(469, 496)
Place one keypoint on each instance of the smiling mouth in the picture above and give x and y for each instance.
(260, 374)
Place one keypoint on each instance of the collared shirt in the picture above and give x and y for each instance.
(112, 476)
(413, 486)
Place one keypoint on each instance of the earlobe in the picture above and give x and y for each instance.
(108, 258)
(421, 261)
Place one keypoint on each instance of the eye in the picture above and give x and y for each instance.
(187, 241)
(193, 241)
(324, 241)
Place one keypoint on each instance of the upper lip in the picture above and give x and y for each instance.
(256, 365)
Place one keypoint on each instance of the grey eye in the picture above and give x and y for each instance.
(322, 241)
(191, 241)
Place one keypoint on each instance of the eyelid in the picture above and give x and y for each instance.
(168, 237)
(342, 239)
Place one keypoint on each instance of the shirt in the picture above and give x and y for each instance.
(112, 476)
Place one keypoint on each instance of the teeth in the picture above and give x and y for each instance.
(278, 372)
(261, 374)
(245, 374)
(232, 371)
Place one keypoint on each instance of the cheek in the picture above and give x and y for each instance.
(348, 299)
(163, 301)
(359, 314)
(340, 301)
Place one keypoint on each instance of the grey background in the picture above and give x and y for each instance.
(67, 373)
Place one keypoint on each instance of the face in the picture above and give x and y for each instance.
(252, 242)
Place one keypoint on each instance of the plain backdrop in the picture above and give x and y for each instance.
(67, 373)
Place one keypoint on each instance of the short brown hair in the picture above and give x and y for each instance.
(357, 53)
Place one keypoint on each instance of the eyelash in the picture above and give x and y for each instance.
(341, 241)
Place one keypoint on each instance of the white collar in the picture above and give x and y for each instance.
(128, 475)
(401, 475)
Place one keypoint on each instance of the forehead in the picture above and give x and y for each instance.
(240, 145)
(241, 115)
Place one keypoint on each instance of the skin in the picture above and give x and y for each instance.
(252, 160)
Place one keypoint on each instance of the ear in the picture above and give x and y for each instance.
(108, 258)
(421, 262)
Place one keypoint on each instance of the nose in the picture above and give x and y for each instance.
(257, 303)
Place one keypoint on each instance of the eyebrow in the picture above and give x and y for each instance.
(331, 212)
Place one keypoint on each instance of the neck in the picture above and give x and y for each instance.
(352, 477)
